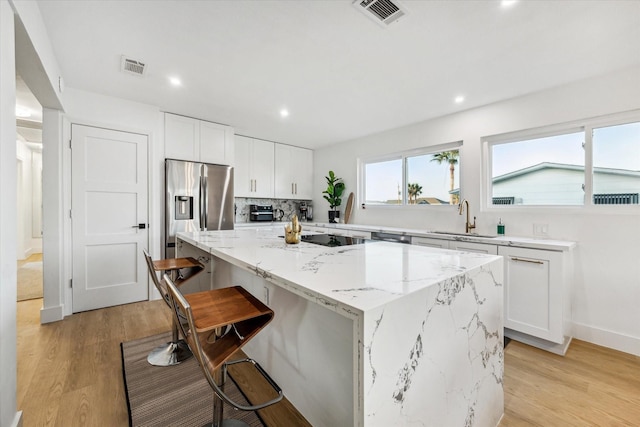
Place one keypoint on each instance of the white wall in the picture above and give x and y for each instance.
(28, 190)
(8, 414)
(606, 294)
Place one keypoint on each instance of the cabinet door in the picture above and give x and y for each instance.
(283, 179)
(216, 144)
(262, 168)
(432, 243)
(533, 292)
(180, 136)
(483, 248)
(293, 172)
(242, 181)
(303, 173)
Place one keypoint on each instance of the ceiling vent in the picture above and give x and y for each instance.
(132, 66)
(384, 12)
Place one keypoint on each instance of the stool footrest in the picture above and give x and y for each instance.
(262, 372)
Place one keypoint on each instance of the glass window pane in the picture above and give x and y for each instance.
(433, 178)
(383, 182)
(541, 171)
(616, 164)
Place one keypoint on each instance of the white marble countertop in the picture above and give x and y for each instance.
(358, 277)
(527, 242)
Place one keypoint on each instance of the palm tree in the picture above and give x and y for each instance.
(414, 190)
(450, 157)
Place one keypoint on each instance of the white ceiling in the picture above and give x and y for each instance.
(341, 75)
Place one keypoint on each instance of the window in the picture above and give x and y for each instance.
(428, 176)
(540, 171)
(551, 167)
(616, 164)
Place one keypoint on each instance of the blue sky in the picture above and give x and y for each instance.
(613, 147)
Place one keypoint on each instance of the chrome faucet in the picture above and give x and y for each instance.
(467, 226)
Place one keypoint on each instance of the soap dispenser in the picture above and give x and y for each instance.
(500, 227)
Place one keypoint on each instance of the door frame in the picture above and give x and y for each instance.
(153, 239)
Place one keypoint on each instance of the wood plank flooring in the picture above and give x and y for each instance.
(69, 373)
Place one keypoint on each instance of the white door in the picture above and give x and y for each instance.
(109, 211)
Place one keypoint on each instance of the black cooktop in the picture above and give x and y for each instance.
(333, 240)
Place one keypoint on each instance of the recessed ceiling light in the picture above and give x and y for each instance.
(459, 99)
(284, 112)
(175, 81)
(507, 3)
(22, 111)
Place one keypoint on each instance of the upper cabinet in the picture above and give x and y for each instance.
(197, 140)
(254, 168)
(293, 172)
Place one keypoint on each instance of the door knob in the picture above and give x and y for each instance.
(140, 226)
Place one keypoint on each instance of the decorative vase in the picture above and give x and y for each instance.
(334, 216)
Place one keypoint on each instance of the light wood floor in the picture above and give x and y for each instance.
(69, 373)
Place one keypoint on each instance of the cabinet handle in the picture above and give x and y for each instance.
(292, 188)
(296, 185)
(526, 260)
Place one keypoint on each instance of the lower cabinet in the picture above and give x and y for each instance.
(535, 300)
(484, 248)
(338, 231)
(432, 243)
(537, 283)
(352, 233)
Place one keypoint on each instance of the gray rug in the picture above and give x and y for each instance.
(171, 396)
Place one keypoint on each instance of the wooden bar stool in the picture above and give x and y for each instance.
(215, 325)
(175, 351)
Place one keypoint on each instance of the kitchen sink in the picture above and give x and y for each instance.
(451, 233)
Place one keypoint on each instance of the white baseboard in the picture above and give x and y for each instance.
(51, 314)
(605, 338)
(559, 349)
(17, 420)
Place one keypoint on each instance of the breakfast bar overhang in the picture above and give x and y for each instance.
(371, 334)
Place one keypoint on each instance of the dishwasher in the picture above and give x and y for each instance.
(390, 237)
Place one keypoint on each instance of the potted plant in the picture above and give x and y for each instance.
(333, 194)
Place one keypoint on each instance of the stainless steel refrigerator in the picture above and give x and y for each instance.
(198, 197)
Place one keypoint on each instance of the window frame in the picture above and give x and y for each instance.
(404, 155)
(586, 126)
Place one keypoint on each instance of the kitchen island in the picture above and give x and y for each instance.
(371, 334)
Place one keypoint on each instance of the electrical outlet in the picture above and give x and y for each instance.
(540, 229)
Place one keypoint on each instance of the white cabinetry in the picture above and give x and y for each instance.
(484, 248)
(351, 233)
(536, 291)
(196, 140)
(432, 243)
(293, 172)
(254, 168)
(535, 299)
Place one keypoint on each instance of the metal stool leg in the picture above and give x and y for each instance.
(221, 376)
(171, 353)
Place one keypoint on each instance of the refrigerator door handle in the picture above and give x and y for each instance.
(205, 202)
(200, 195)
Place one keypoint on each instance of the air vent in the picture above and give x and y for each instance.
(132, 66)
(384, 12)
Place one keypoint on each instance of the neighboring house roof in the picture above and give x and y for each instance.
(548, 165)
